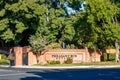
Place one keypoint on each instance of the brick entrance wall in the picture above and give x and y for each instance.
(83, 55)
(78, 55)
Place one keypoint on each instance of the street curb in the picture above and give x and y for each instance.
(67, 67)
(61, 67)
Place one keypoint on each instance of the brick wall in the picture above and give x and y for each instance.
(32, 58)
(78, 55)
(83, 55)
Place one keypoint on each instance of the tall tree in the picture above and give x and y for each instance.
(38, 43)
(54, 25)
(98, 26)
(16, 16)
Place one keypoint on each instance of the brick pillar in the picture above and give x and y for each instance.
(31, 58)
(18, 56)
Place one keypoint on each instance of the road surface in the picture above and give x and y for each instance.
(60, 74)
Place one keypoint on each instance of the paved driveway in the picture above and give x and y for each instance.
(60, 74)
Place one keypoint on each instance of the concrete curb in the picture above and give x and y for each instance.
(67, 67)
(61, 67)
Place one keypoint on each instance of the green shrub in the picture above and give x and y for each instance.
(53, 62)
(109, 57)
(3, 56)
(53, 46)
(57, 62)
(68, 61)
(4, 62)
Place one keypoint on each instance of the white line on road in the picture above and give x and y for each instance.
(3, 75)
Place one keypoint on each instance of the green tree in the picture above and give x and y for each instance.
(38, 43)
(18, 17)
(97, 25)
(56, 27)
(21, 18)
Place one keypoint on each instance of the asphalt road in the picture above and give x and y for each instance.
(59, 74)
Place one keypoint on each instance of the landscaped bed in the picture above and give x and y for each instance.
(82, 64)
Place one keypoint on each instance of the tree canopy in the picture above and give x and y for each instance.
(99, 24)
(77, 23)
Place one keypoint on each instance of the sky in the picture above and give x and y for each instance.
(70, 10)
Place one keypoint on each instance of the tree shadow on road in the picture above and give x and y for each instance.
(31, 78)
(83, 74)
(53, 75)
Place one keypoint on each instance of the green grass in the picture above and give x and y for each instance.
(82, 64)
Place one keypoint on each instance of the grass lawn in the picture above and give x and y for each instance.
(82, 64)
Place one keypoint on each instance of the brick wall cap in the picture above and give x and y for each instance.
(66, 50)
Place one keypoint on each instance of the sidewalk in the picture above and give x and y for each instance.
(62, 67)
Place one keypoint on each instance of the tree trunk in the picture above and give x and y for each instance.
(117, 51)
(37, 58)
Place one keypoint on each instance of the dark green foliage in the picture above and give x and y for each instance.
(96, 27)
(68, 61)
(109, 57)
(37, 43)
(53, 46)
(53, 62)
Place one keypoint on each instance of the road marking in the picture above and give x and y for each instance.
(11, 74)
